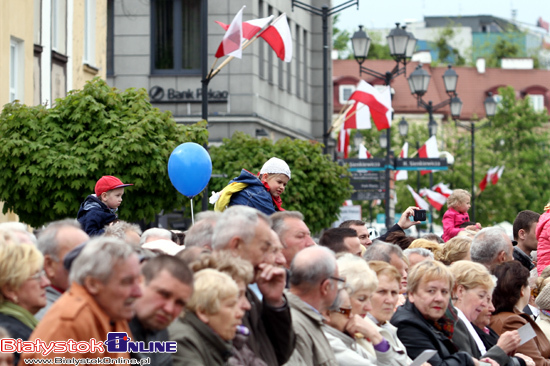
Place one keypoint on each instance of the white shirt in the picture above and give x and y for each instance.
(473, 333)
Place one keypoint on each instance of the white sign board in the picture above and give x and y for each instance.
(348, 213)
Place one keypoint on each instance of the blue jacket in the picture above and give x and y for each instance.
(254, 195)
(94, 215)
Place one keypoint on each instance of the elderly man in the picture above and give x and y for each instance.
(362, 231)
(389, 253)
(56, 240)
(292, 231)
(417, 255)
(104, 286)
(341, 240)
(200, 234)
(314, 285)
(491, 246)
(246, 233)
(130, 233)
(167, 287)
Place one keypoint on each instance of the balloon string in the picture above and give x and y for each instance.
(192, 215)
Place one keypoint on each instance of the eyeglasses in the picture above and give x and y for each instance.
(344, 311)
(341, 282)
(38, 275)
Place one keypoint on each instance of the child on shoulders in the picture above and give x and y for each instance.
(457, 214)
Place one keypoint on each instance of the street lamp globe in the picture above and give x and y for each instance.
(403, 127)
(383, 140)
(411, 46)
(456, 107)
(432, 127)
(450, 78)
(397, 41)
(361, 44)
(490, 105)
(419, 80)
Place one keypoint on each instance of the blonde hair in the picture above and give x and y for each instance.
(456, 249)
(210, 287)
(357, 273)
(385, 269)
(471, 275)
(435, 248)
(426, 271)
(238, 269)
(457, 197)
(547, 207)
(18, 262)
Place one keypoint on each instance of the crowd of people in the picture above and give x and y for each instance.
(242, 287)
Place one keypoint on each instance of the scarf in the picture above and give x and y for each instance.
(15, 311)
(277, 201)
(446, 324)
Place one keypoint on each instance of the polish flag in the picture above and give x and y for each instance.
(233, 39)
(419, 200)
(403, 174)
(348, 203)
(428, 150)
(437, 200)
(343, 142)
(364, 153)
(250, 27)
(443, 189)
(488, 178)
(358, 117)
(379, 103)
(278, 36)
(496, 176)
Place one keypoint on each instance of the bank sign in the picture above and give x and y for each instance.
(158, 94)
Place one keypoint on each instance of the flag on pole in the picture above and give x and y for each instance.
(437, 200)
(233, 39)
(488, 178)
(403, 174)
(419, 200)
(428, 150)
(343, 142)
(250, 27)
(364, 153)
(348, 203)
(379, 103)
(496, 176)
(358, 117)
(278, 36)
(443, 189)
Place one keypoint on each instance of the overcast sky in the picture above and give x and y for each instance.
(385, 13)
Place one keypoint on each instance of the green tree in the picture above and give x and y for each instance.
(50, 158)
(340, 39)
(445, 51)
(318, 186)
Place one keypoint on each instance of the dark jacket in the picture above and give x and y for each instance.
(94, 215)
(523, 258)
(491, 339)
(417, 335)
(16, 329)
(392, 229)
(254, 195)
(143, 335)
(271, 337)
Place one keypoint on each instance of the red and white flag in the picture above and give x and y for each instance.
(343, 143)
(428, 150)
(364, 153)
(403, 174)
(358, 117)
(233, 39)
(348, 203)
(278, 36)
(419, 200)
(488, 178)
(379, 103)
(443, 189)
(437, 200)
(250, 27)
(496, 176)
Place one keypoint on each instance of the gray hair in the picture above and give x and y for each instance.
(382, 251)
(15, 226)
(155, 232)
(310, 269)
(487, 244)
(119, 229)
(48, 242)
(278, 221)
(98, 258)
(420, 251)
(211, 216)
(236, 221)
(200, 234)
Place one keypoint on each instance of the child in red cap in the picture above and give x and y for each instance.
(99, 209)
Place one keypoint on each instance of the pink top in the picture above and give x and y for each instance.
(543, 237)
(452, 219)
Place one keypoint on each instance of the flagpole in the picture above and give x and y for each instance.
(336, 122)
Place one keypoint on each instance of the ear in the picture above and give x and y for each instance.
(8, 292)
(49, 265)
(263, 177)
(325, 287)
(235, 243)
(203, 316)
(521, 234)
(502, 257)
(459, 292)
(103, 196)
(93, 285)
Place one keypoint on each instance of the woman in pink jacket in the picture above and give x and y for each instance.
(543, 237)
(457, 214)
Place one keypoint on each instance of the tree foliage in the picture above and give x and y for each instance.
(51, 158)
(446, 53)
(318, 186)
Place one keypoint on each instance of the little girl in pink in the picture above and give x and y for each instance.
(457, 214)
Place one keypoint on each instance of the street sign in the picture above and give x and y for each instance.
(421, 164)
(365, 185)
(373, 164)
(362, 175)
(368, 195)
(348, 213)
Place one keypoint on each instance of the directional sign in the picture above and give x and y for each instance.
(361, 175)
(374, 164)
(421, 164)
(365, 185)
(367, 195)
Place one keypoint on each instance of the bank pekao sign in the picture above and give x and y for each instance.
(160, 95)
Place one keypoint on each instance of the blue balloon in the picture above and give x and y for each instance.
(189, 168)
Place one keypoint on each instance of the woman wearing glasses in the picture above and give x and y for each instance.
(22, 288)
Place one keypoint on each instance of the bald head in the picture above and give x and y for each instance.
(311, 266)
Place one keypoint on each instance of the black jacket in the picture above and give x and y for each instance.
(417, 335)
(491, 339)
(94, 215)
(143, 335)
(16, 329)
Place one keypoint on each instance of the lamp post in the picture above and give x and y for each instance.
(324, 12)
(418, 83)
(490, 105)
(402, 45)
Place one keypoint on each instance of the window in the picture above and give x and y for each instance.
(304, 50)
(269, 55)
(345, 92)
(176, 36)
(89, 32)
(288, 67)
(297, 61)
(261, 59)
(17, 67)
(537, 102)
(59, 26)
(110, 37)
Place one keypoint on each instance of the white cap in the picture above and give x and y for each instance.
(163, 245)
(276, 166)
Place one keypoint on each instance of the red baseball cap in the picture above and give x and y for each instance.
(108, 182)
